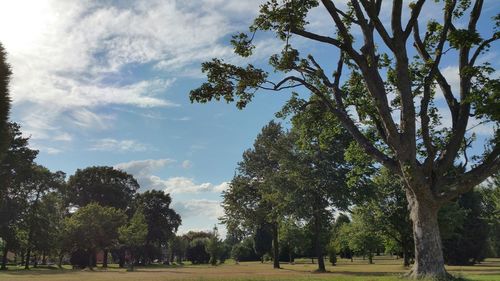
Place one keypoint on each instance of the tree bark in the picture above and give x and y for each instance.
(4, 257)
(429, 261)
(276, 248)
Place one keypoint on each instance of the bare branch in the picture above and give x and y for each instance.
(316, 37)
(372, 12)
(481, 47)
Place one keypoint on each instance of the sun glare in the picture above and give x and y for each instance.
(22, 22)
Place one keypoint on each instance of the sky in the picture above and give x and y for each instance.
(107, 83)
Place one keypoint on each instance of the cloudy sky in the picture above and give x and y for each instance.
(107, 82)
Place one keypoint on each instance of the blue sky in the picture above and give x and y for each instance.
(107, 83)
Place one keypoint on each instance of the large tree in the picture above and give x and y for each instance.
(103, 185)
(94, 227)
(5, 73)
(317, 169)
(15, 168)
(254, 199)
(395, 70)
(162, 221)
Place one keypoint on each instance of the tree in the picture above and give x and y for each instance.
(340, 242)
(197, 251)
(362, 234)
(214, 247)
(254, 198)
(391, 90)
(467, 245)
(5, 73)
(103, 185)
(94, 227)
(133, 235)
(491, 195)
(162, 221)
(390, 212)
(317, 169)
(36, 186)
(16, 166)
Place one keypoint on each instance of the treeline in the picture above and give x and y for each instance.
(311, 191)
(97, 210)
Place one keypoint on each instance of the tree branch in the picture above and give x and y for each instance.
(481, 47)
(415, 12)
(474, 177)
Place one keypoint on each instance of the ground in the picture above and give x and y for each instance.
(384, 269)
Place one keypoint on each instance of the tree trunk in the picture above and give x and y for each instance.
(370, 258)
(105, 258)
(276, 248)
(61, 256)
(27, 261)
(317, 242)
(44, 258)
(4, 257)
(429, 262)
(35, 260)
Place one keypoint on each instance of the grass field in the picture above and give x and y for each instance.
(385, 268)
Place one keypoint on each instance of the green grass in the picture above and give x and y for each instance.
(384, 269)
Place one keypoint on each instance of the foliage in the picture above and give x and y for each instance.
(196, 251)
(94, 227)
(468, 243)
(103, 185)
(133, 235)
(5, 73)
(214, 247)
(363, 236)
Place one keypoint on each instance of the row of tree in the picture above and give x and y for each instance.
(43, 215)
(283, 200)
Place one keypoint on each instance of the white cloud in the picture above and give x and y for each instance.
(69, 57)
(210, 209)
(144, 168)
(114, 145)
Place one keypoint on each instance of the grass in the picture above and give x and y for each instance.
(384, 269)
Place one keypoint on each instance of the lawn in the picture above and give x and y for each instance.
(384, 269)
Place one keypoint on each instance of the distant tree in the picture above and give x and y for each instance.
(161, 219)
(5, 73)
(133, 235)
(214, 247)
(263, 240)
(254, 197)
(177, 247)
(362, 234)
(468, 244)
(291, 237)
(338, 239)
(103, 185)
(391, 215)
(196, 251)
(491, 195)
(316, 168)
(36, 186)
(244, 251)
(387, 103)
(94, 227)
